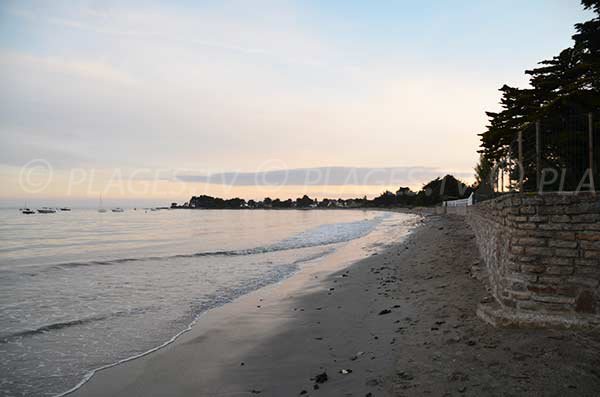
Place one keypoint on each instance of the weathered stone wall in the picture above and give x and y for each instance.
(542, 251)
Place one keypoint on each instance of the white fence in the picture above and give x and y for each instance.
(459, 203)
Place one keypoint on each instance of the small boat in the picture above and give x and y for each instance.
(118, 209)
(26, 210)
(46, 210)
(65, 209)
(100, 208)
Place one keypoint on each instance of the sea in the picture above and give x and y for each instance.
(83, 290)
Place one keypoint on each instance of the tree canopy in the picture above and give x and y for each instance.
(561, 88)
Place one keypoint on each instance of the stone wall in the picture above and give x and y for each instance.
(542, 253)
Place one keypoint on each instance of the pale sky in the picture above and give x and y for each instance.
(145, 90)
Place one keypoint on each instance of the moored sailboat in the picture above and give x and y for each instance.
(101, 209)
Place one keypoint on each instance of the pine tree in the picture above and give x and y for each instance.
(564, 87)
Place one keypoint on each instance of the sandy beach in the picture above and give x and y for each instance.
(399, 322)
(299, 198)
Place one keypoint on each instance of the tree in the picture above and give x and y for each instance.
(483, 171)
(267, 202)
(304, 202)
(385, 199)
(561, 88)
(235, 203)
(446, 188)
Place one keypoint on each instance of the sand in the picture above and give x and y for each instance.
(400, 322)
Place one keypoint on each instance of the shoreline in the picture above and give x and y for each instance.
(400, 322)
(350, 255)
(173, 339)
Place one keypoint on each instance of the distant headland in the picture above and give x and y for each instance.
(433, 193)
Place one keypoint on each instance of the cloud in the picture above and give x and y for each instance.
(324, 176)
(226, 87)
(100, 71)
(20, 153)
(230, 116)
(267, 29)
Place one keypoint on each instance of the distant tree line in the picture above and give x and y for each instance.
(433, 193)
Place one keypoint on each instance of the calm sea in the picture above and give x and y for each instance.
(81, 290)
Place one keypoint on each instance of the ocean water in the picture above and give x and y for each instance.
(83, 290)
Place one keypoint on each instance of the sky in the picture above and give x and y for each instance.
(148, 100)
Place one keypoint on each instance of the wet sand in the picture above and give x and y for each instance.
(401, 322)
